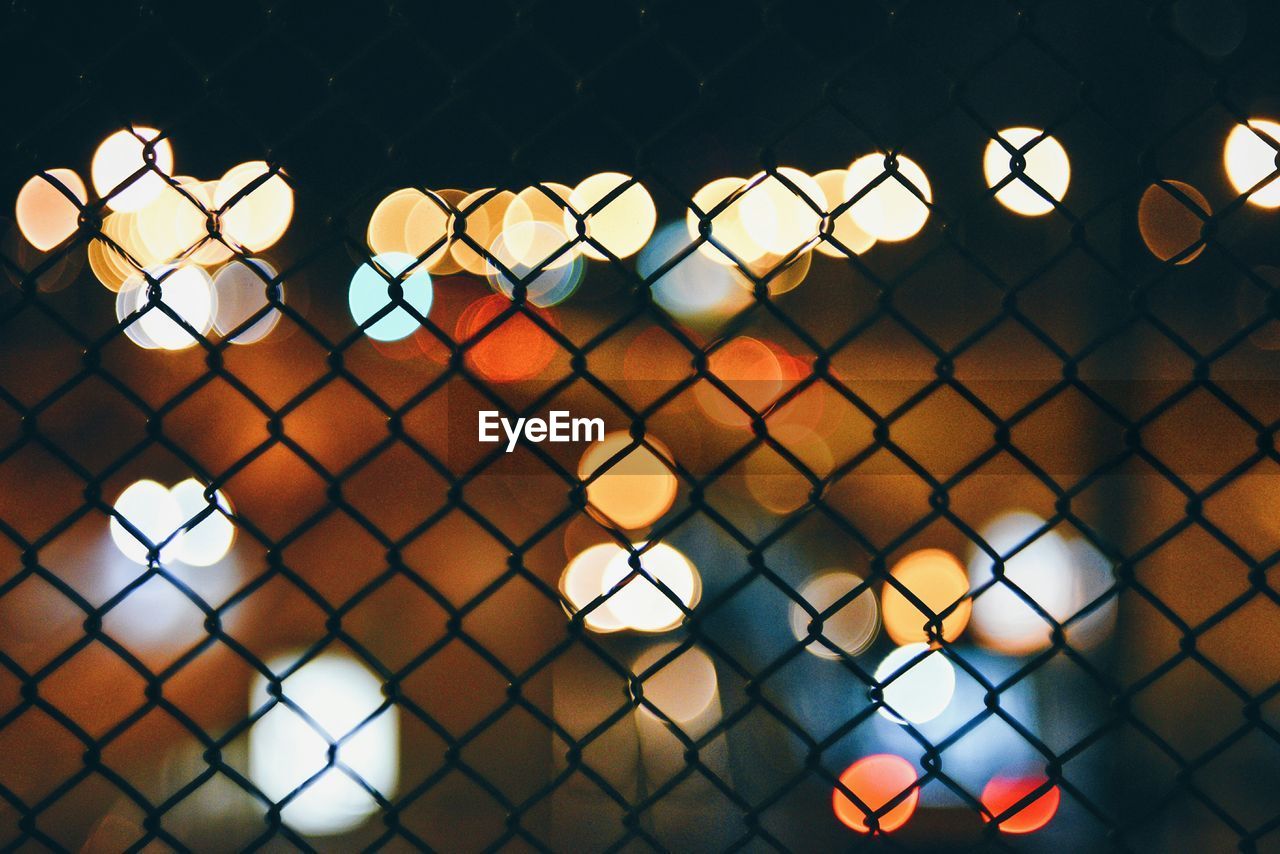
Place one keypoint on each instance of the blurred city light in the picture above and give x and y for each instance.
(877, 781)
(1045, 163)
(918, 683)
(330, 702)
(850, 629)
(43, 211)
(938, 580)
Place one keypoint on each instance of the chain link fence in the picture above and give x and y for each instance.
(919, 482)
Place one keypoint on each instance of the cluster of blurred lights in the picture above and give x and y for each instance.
(167, 244)
(887, 791)
(170, 243)
(928, 604)
(188, 523)
(169, 250)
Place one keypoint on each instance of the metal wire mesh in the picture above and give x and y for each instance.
(1095, 366)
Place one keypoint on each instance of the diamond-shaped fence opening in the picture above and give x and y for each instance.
(666, 427)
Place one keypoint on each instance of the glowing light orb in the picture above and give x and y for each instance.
(241, 290)
(622, 226)
(683, 688)
(370, 293)
(1169, 225)
(185, 289)
(780, 219)
(774, 481)
(209, 540)
(388, 225)
(876, 781)
(480, 214)
(339, 699)
(583, 581)
(1046, 164)
(890, 211)
(845, 231)
(430, 225)
(177, 221)
(634, 491)
(516, 349)
(923, 688)
(937, 579)
(695, 287)
(260, 217)
(120, 157)
(153, 511)
(550, 285)
(1002, 793)
(1250, 157)
(534, 227)
(727, 226)
(45, 216)
(1041, 568)
(778, 275)
(109, 266)
(751, 371)
(852, 628)
(640, 605)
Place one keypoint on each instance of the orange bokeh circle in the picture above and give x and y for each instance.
(876, 780)
(1002, 793)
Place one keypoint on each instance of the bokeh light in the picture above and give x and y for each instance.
(922, 687)
(622, 226)
(534, 228)
(177, 220)
(335, 697)
(937, 579)
(890, 211)
(1169, 225)
(1041, 568)
(774, 481)
(241, 291)
(751, 371)
(583, 581)
(1002, 793)
(430, 224)
(727, 226)
(551, 285)
(634, 491)
(259, 218)
(43, 212)
(370, 293)
(851, 629)
(1250, 157)
(845, 230)
(779, 275)
(516, 349)
(185, 289)
(120, 157)
(1046, 164)
(209, 540)
(695, 288)
(481, 215)
(389, 225)
(683, 688)
(876, 781)
(109, 267)
(780, 219)
(641, 605)
(153, 512)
